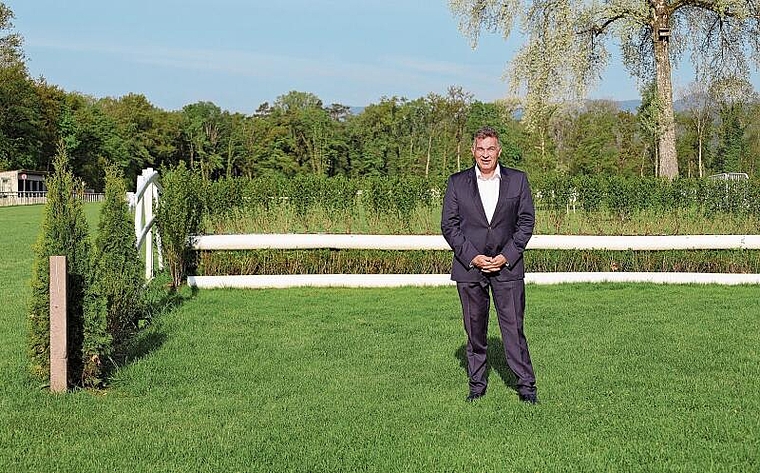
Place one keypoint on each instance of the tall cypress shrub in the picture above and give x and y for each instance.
(118, 281)
(64, 232)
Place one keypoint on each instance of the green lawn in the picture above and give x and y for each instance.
(631, 378)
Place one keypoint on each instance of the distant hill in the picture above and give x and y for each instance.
(629, 105)
(633, 105)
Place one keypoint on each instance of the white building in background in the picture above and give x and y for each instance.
(22, 181)
(730, 176)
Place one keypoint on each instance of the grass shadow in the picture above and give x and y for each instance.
(159, 299)
(496, 361)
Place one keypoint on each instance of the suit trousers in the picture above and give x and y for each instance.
(509, 300)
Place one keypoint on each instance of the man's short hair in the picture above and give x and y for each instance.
(486, 132)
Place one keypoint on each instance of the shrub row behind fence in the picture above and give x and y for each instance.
(623, 196)
(399, 196)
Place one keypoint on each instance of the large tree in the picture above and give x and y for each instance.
(566, 45)
(10, 43)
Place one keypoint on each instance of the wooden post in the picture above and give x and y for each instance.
(58, 339)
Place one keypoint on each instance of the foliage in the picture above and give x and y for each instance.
(10, 43)
(117, 268)
(428, 136)
(595, 204)
(21, 119)
(625, 196)
(566, 47)
(554, 192)
(64, 232)
(178, 216)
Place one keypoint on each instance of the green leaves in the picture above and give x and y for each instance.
(64, 232)
(178, 217)
(118, 276)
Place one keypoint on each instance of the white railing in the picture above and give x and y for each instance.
(436, 242)
(8, 199)
(142, 201)
(262, 241)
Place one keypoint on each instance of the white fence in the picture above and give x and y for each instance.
(262, 241)
(143, 200)
(436, 242)
(8, 199)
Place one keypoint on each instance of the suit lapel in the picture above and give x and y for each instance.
(476, 194)
(503, 186)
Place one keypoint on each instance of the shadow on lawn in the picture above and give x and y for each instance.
(496, 361)
(159, 300)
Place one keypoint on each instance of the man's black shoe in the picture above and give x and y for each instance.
(529, 398)
(473, 396)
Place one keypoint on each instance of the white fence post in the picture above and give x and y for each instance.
(146, 195)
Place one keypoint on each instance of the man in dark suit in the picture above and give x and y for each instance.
(487, 220)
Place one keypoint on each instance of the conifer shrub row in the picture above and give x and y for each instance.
(104, 282)
(64, 232)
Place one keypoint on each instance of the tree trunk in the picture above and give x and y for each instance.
(459, 154)
(657, 171)
(700, 155)
(427, 160)
(666, 141)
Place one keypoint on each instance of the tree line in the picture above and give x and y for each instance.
(430, 136)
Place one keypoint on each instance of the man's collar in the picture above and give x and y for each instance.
(496, 173)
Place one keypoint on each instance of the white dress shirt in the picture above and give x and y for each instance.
(489, 190)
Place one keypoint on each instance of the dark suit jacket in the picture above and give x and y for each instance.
(466, 229)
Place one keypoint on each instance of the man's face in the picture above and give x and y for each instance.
(486, 152)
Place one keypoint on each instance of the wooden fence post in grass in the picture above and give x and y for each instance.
(58, 341)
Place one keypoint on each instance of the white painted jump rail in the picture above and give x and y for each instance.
(436, 242)
(146, 194)
(293, 241)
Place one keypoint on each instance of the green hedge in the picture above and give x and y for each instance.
(400, 197)
(397, 196)
(624, 196)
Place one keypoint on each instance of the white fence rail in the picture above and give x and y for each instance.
(401, 280)
(436, 242)
(260, 241)
(143, 200)
(8, 199)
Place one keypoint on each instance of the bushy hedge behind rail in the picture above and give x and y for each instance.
(401, 196)
(624, 196)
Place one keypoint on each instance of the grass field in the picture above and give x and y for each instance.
(631, 378)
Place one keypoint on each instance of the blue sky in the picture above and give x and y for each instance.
(239, 54)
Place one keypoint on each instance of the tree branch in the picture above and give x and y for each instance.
(599, 29)
(705, 5)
